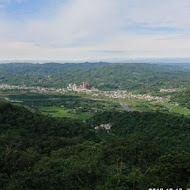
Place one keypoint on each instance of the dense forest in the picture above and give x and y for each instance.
(141, 150)
(134, 77)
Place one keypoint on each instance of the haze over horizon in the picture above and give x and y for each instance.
(94, 30)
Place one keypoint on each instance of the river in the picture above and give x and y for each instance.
(125, 107)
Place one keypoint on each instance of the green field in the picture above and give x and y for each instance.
(84, 106)
(65, 105)
(146, 106)
(61, 112)
(177, 109)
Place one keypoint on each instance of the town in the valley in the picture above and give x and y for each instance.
(85, 88)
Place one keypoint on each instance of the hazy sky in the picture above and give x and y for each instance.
(94, 29)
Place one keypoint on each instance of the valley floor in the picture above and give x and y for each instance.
(84, 106)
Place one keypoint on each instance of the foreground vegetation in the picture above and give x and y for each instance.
(141, 150)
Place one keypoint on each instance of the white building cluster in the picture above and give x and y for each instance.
(30, 88)
(119, 94)
(107, 127)
(85, 87)
(170, 90)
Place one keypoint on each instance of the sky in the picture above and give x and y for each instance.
(94, 30)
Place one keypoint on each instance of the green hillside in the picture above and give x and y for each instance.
(141, 150)
(134, 77)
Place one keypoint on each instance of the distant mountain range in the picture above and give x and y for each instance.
(185, 60)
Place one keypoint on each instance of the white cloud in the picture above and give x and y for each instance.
(82, 27)
(79, 21)
(159, 12)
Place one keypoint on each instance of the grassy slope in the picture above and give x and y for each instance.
(62, 112)
(145, 106)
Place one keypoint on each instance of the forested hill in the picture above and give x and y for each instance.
(141, 150)
(139, 77)
(47, 68)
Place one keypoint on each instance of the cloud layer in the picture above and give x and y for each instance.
(94, 29)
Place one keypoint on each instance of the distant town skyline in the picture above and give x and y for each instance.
(94, 30)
